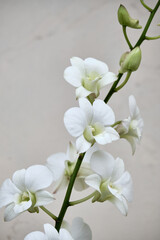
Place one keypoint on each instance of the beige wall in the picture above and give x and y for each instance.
(37, 39)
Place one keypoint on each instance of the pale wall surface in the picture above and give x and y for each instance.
(37, 39)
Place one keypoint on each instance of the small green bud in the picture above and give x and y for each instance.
(130, 61)
(125, 19)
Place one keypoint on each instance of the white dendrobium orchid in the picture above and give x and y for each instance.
(88, 76)
(62, 166)
(131, 128)
(78, 231)
(25, 191)
(91, 123)
(110, 180)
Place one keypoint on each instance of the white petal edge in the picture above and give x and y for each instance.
(80, 230)
(35, 236)
(107, 79)
(121, 205)
(43, 198)
(9, 213)
(38, 177)
(94, 181)
(102, 113)
(102, 163)
(75, 121)
(56, 163)
(73, 76)
(82, 144)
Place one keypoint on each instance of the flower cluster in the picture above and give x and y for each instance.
(93, 124)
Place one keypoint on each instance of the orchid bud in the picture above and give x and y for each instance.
(130, 61)
(125, 19)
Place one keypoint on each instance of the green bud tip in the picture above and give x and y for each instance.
(125, 19)
(130, 61)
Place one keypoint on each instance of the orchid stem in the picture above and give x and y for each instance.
(124, 82)
(82, 199)
(139, 42)
(116, 123)
(66, 204)
(49, 213)
(152, 38)
(126, 37)
(146, 6)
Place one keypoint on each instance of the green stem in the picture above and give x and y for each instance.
(49, 213)
(152, 38)
(142, 37)
(139, 42)
(112, 90)
(146, 6)
(124, 82)
(126, 37)
(82, 199)
(65, 204)
(116, 123)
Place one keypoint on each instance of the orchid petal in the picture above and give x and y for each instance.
(86, 106)
(94, 181)
(65, 235)
(102, 163)
(95, 66)
(7, 192)
(51, 232)
(80, 230)
(75, 121)
(43, 198)
(9, 213)
(72, 153)
(118, 169)
(19, 179)
(121, 205)
(82, 144)
(82, 92)
(102, 113)
(56, 164)
(22, 206)
(134, 110)
(36, 236)
(38, 177)
(107, 136)
(126, 184)
(107, 79)
(79, 63)
(73, 76)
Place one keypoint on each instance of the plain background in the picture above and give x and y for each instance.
(37, 39)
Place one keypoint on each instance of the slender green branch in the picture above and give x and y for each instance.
(142, 37)
(112, 90)
(146, 6)
(116, 123)
(152, 38)
(126, 37)
(124, 82)
(139, 42)
(49, 213)
(82, 199)
(65, 204)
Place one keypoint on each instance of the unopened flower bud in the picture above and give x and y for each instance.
(130, 61)
(125, 19)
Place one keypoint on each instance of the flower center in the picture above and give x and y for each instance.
(69, 167)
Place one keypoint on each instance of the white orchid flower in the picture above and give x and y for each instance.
(25, 191)
(79, 230)
(110, 180)
(88, 76)
(90, 124)
(63, 164)
(131, 128)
